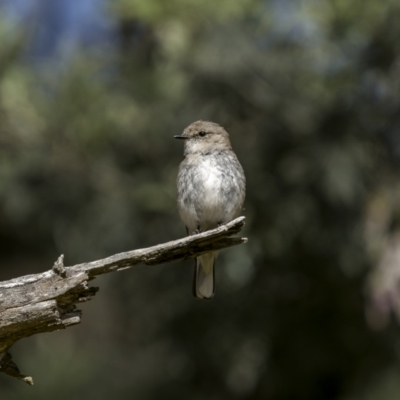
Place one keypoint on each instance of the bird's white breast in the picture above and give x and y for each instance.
(211, 199)
(211, 179)
(210, 190)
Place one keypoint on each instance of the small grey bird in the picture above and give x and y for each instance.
(211, 191)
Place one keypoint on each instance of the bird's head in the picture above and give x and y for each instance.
(204, 137)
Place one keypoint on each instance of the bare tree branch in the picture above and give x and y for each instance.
(47, 301)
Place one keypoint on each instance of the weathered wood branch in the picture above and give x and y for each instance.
(47, 301)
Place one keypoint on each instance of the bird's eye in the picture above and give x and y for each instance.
(202, 133)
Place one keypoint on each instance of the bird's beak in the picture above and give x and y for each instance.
(180, 137)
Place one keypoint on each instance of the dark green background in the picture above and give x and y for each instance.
(309, 92)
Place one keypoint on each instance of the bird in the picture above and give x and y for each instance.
(211, 188)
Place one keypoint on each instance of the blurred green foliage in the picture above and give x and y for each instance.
(309, 92)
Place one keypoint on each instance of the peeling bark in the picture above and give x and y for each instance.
(47, 301)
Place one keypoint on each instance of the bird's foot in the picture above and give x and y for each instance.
(198, 230)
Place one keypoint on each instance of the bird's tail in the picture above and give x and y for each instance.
(204, 276)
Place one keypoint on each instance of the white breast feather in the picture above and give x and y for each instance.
(213, 207)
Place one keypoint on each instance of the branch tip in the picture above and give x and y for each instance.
(8, 366)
